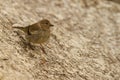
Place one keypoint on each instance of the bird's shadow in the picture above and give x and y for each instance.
(28, 46)
(25, 44)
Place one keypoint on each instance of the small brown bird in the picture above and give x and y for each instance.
(37, 33)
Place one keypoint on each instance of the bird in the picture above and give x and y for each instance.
(37, 33)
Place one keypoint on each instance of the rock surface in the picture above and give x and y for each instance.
(85, 41)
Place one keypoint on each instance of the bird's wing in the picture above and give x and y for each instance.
(34, 29)
(35, 38)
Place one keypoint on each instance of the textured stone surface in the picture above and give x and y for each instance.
(85, 44)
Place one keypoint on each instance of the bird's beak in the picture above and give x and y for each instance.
(51, 25)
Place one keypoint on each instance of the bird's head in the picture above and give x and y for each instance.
(45, 24)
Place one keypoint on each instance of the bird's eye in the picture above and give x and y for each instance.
(46, 23)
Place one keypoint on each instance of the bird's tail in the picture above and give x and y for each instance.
(24, 29)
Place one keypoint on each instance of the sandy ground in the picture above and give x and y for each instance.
(84, 45)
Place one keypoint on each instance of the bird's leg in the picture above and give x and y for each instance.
(42, 48)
